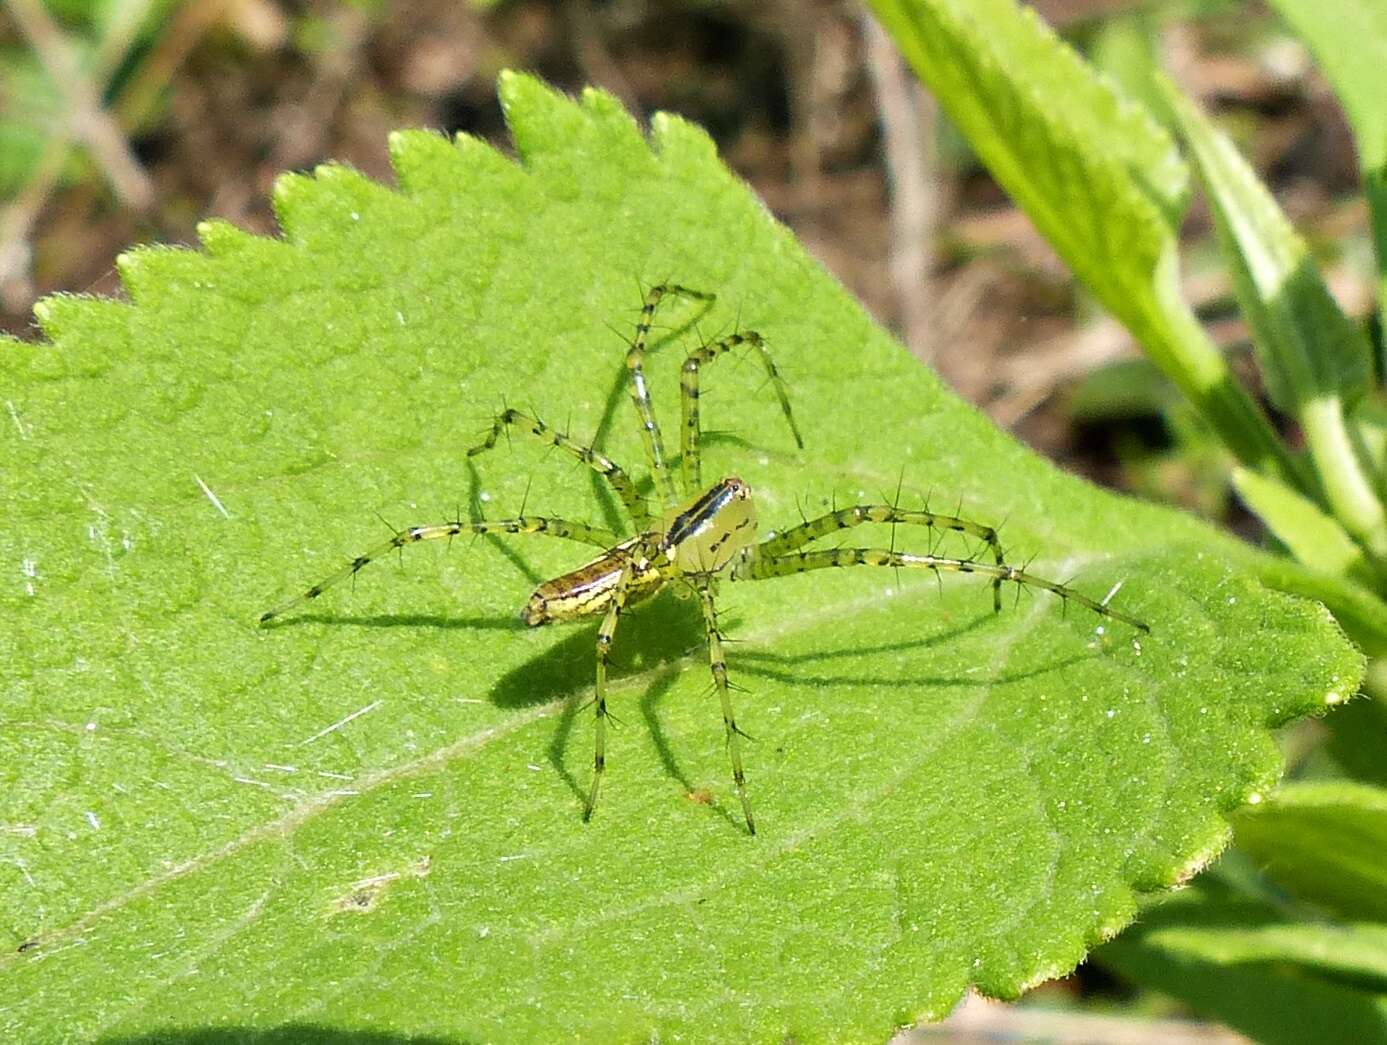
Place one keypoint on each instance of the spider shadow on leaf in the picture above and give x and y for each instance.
(655, 634)
(402, 620)
(770, 666)
(657, 638)
(789, 668)
(659, 633)
(665, 638)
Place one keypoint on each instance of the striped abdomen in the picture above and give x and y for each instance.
(588, 590)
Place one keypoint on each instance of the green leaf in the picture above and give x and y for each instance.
(1324, 841)
(1361, 613)
(1349, 40)
(1100, 180)
(1354, 955)
(1368, 430)
(1240, 931)
(1242, 962)
(1358, 734)
(1315, 361)
(368, 816)
(1313, 537)
(1126, 48)
(1308, 348)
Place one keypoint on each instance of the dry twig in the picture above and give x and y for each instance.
(908, 118)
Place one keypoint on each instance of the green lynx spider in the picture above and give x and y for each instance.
(697, 537)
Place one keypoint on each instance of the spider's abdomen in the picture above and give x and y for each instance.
(588, 590)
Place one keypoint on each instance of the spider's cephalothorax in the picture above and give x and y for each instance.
(710, 532)
(698, 538)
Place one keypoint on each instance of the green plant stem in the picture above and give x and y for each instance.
(1197, 367)
(1375, 190)
(1348, 488)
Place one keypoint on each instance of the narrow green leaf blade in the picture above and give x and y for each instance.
(1369, 434)
(1074, 154)
(1100, 179)
(1205, 922)
(1313, 537)
(1354, 955)
(367, 817)
(1358, 734)
(1241, 962)
(1349, 40)
(1315, 360)
(1308, 348)
(1324, 841)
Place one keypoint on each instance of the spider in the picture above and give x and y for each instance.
(700, 535)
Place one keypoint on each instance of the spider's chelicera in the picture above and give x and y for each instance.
(698, 537)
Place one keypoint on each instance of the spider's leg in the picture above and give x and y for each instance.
(764, 567)
(605, 633)
(524, 524)
(640, 394)
(844, 518)
(690, 461)
(616, 476)
(718, 664)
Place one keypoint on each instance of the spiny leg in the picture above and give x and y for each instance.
(525, 524)
(615, 475)
(763, 568)
(605, 633)
(718, 665)
(690, 461)
(845, 518)
(640, 394)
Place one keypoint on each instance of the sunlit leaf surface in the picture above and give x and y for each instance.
(367, 817)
